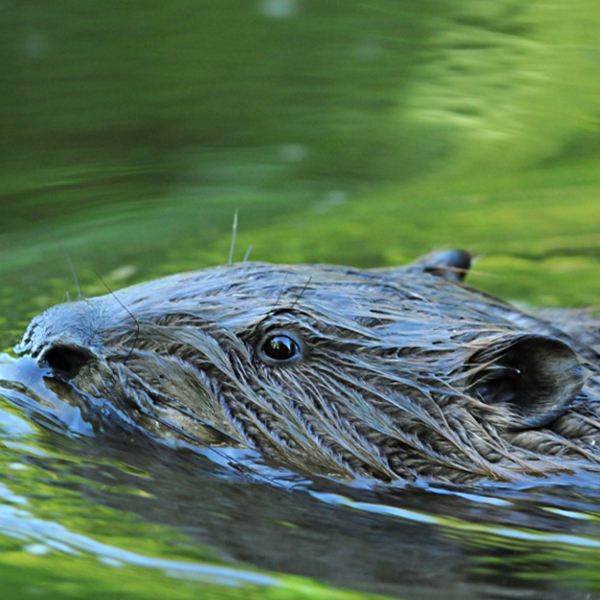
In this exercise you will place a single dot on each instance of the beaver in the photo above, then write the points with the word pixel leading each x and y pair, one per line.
pixel 401 373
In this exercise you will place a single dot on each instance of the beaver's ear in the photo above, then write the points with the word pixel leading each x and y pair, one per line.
pixel 451 265
pixel 535 377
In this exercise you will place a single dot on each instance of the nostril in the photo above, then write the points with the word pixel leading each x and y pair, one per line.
pixel 67 361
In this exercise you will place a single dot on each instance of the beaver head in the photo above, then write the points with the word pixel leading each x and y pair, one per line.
pixel 390 373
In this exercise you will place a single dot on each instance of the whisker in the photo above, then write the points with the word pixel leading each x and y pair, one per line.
pixel 65 252
pixel 302 291
pixel 137 324
pixel 278 296
pixel 73 272
pixel 233 236
pixel 247 255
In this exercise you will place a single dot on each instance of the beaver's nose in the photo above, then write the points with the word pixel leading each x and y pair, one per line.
pixel 64 338
pixel 66 359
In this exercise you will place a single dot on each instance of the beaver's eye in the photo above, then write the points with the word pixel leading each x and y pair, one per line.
pixel 280 348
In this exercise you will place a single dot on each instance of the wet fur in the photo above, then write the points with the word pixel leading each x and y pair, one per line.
pixel 386 386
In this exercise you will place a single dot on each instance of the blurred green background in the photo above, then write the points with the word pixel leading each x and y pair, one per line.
pixel 344 131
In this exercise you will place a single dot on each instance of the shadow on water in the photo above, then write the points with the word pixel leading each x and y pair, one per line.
pixel 223 518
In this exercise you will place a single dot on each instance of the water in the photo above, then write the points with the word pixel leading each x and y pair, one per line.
pixel 342 132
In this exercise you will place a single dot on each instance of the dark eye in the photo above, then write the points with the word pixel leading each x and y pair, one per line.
pixel 280 348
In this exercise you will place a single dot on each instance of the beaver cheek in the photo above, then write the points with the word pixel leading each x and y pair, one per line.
pixel 534 377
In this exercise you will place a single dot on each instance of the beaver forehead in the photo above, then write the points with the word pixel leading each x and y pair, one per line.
pixel 241 295
pixel 248 279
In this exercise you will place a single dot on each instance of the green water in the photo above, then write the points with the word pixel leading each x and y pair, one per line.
pixel 340 132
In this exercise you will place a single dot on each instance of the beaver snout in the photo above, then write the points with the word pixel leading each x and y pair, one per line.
pixel 64 339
